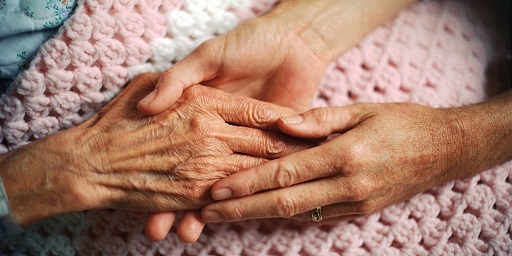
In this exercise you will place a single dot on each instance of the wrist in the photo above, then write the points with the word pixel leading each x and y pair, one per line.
pixel 8 223
pixel 485 134
pixel 37 181
pixel 330 27
pixel 493 121
pixel 299 18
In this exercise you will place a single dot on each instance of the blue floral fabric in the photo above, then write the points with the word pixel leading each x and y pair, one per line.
pixel 24 26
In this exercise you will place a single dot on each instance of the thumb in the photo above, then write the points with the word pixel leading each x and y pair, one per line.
pixel 200 65
pixel 322 122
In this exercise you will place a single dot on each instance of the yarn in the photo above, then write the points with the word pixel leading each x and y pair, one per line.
pixel 434 53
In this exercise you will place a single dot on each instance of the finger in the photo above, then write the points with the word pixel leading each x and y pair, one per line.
pixel 284 202
pixel 202 64
pixel 260 143
pixel 158 225
pixel 321 122
pixel 236 162
pixel 156 163
pixel 250 112
pixel 212 168
pixel 191 226
pixel 283 172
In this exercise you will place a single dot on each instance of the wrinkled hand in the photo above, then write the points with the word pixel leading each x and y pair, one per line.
pixel 261 59
pixel 169 161
pixel 385 154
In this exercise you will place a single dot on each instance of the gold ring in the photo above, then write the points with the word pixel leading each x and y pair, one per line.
pixel 316 214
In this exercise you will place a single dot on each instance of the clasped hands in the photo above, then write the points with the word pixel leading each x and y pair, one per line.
pixel 225 157
pixel 385 154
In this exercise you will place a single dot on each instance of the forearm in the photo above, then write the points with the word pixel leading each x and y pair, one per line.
pixel 330 27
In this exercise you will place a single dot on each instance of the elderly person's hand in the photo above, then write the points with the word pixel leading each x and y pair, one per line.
pixel 385 154
pixel 122 159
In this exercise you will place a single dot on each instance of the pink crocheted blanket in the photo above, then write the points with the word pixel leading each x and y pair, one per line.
pixel 433 53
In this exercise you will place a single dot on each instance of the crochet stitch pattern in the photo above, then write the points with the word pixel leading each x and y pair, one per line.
pixel 434 53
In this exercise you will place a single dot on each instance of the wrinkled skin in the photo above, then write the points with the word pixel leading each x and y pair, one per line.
pixel 122 159
pixel 170 160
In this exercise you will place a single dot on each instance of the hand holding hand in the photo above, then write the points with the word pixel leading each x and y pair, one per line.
pixel 385 154
pixel 279 57
pixel 260 59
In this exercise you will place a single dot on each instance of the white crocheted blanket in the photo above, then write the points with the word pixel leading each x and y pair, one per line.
pixel 434 53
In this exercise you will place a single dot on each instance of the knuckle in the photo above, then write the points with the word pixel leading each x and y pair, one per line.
pixel 261 114
pixel 196 127
pixel 322 115
pixel 274 146
pixel 248 187
pixel 238 212
pixel 354 158
pixel 286 206
pixel 359 191
pixel 286 174
pixel 193 92
pixel 197 95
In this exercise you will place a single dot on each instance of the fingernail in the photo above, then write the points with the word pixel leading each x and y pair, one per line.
pixel 292 119
pixel 212 216
pixel 222 193
pixel 148 98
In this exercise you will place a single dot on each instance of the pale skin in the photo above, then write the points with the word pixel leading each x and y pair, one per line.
pixel 279 57
pixel 122 159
